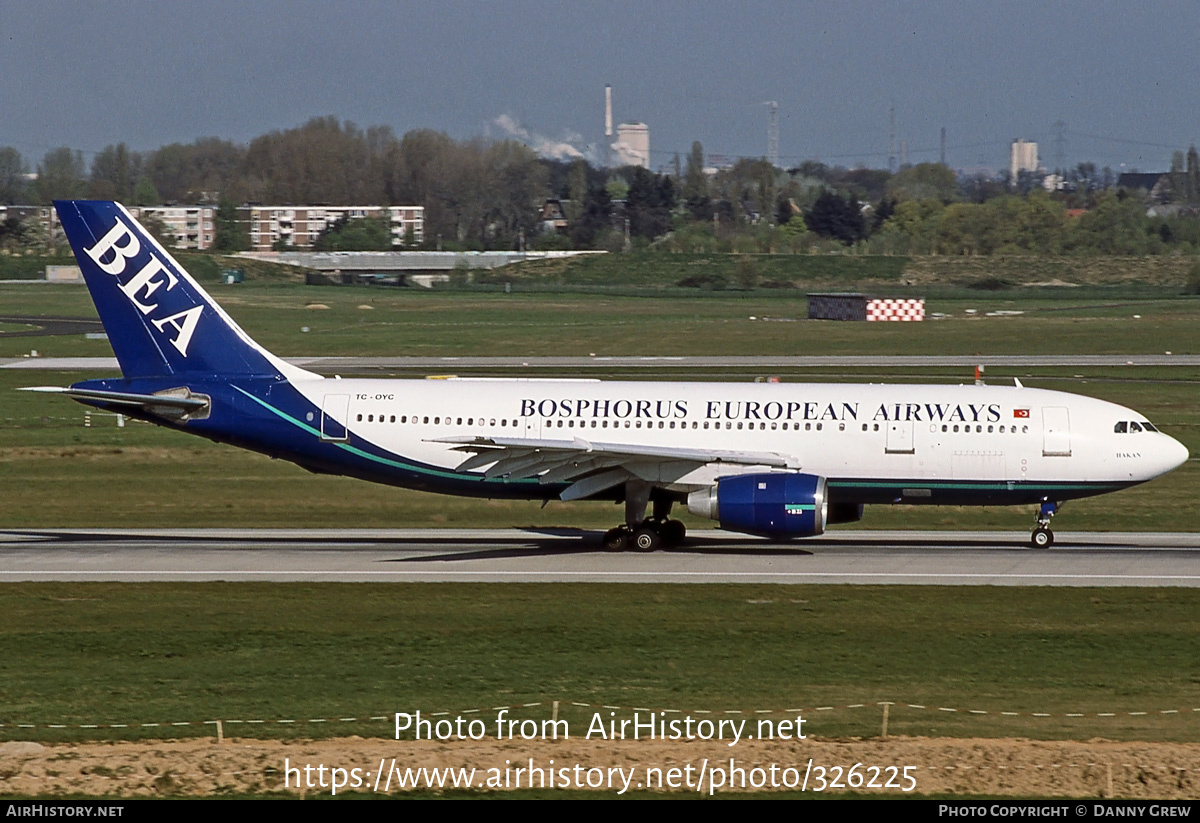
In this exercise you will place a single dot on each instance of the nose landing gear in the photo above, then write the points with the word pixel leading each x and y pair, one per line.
pixel 1042 537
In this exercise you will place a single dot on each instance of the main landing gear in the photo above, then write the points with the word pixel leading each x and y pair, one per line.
pixel 1042 537
pixel 641 533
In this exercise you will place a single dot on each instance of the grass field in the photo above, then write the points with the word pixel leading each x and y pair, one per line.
pixel 106 653
pixel 389 322
pixel 101 653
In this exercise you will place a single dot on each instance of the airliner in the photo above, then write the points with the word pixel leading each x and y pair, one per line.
pixel 777 460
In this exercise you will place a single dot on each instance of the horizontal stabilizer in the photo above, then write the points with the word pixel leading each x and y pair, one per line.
pixel 172 403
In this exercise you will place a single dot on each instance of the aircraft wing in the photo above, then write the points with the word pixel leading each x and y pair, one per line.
pixel 592 467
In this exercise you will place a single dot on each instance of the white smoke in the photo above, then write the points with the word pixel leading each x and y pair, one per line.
pixel 626 155
pixel 544 146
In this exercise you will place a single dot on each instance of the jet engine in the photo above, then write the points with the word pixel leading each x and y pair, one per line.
pixel 775 504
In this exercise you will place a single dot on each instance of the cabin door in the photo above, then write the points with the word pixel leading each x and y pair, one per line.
pixel 1056 432
pixel 900 437
pixel 335 414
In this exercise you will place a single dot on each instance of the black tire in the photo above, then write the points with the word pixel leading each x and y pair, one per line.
pixel 673 532
pixel 616 540
pixel 647 540
pixel 1042 538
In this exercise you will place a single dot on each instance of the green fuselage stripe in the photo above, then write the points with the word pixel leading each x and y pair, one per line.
pixel 375 458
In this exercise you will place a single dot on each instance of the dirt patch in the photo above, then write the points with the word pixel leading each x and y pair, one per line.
pixel 1009 767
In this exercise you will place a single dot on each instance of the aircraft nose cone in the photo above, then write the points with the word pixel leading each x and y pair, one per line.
pixel 1176 454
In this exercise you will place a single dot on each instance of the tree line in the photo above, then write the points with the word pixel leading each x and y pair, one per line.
pixel 483 193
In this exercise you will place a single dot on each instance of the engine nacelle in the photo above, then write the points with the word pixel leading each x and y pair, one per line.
pixel 775 504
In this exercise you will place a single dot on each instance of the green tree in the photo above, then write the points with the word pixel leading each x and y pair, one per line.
pixel 114 172
pixel 837 217
pixel 1193 175
pixel 577 188
pixel 1116 225
pixel 695 185
pixel 231 234
pixel 355 234
pixel 12 176
pixel 60 176
pixel 648 204
pixel 144 194
pixel 594 220
pixel 924 181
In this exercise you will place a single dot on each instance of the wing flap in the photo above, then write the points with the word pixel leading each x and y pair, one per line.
pixel 592 467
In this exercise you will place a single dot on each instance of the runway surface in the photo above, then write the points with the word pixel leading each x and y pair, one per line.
pixel 443 365
pixel 512 555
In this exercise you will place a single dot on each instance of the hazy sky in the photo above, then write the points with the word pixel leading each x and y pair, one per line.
pixel 1123 76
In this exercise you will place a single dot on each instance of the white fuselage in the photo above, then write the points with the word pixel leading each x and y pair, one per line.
pixel 838 431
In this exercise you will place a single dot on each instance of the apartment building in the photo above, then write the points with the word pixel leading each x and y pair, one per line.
pixel 299 226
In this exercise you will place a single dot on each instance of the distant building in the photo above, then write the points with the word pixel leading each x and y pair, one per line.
pixel 191 226
pixel 21 213
pixel 1156 185
pixel 1023 157
pixel 552 218
pixel 299 226
pixel 633 145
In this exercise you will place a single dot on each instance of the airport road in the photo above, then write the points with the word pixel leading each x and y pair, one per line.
pixel 447 365
pixel 565 555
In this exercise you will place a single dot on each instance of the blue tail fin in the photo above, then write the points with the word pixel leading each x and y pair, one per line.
pixel 159 320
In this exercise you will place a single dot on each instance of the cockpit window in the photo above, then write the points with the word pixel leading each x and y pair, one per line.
pixel 1121 428
pixel 1148 427
pixel 1134 427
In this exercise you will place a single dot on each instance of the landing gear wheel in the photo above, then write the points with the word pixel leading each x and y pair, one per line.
pixel 647 540
pixel 616 540
pixel 1042 538
pixel 673 532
